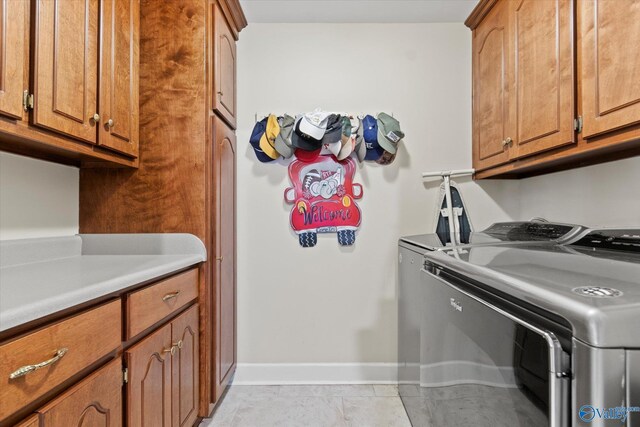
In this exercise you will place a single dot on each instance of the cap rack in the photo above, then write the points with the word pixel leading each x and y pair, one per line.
pixel 261 115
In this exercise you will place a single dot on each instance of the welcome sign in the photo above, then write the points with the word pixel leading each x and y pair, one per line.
pixel 323 197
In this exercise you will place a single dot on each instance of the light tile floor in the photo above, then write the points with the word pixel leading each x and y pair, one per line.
pixel 310 406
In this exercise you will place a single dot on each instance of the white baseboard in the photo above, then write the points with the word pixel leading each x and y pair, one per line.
pixel 315 373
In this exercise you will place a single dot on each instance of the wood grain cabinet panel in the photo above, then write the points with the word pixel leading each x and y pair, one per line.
pixel 224 268
pixel 14 56
pixel 76 334
pixel 185 384
pixel 95 402
pixel 224 69
pixel 610 36
pixel 149 384
pixel 119 70
pixel 65 61
pixel 490 96
pixel 541 76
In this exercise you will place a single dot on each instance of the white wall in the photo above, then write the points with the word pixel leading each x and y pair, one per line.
pixel 330 304
pixel 602 195
pixel 37 198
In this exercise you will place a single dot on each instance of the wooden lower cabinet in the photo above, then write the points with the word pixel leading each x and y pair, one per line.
pixel 184 369
pixel 162 387
pixel 149 382
pixel 95 401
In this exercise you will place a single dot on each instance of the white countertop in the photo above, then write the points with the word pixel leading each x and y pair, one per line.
pixel 39 277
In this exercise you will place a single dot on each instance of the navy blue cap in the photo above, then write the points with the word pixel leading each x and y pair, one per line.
pixel 370 130
pixel 258 131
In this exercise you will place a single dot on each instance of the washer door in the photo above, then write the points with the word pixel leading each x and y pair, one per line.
pixel 482 366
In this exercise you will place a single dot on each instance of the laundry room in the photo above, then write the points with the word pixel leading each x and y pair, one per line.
pixel 320 212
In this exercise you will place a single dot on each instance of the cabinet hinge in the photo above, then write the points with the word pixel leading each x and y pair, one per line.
pixel 577 124
pixel 27 100
pixel 125 375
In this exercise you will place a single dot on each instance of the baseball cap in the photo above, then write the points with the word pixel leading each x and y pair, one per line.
pixel 386 159
pixel 349 133
pixel 283 140
pixel 307 156
pixel 332 137
pixel 374 151
pixel 259 130
pixel 389 133
pixel 268 138
pixel 302 140
pixel 360 148
pixel 314 124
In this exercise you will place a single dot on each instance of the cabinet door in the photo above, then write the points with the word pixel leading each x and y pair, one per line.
pixel 149 384
pixel 184 330
pixel 490 96
pixel 541 75
pixel 95 401
pixel 14 56
pixel 224 269
pixel 610 36
pixel 119 63
pixel 224 68
pixel 65 62
pixel 33 421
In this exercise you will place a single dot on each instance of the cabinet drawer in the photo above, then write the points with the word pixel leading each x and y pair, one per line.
pixel 86 337
pixel 153 303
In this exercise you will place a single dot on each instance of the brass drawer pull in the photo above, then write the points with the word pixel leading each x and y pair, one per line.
pixel 171 350
pixel 179 344
pixel 20 372
pixel 171 295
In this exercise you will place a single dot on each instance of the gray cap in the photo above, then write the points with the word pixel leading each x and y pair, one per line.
pixel 283 140
pixel 361 147
pixel 389 133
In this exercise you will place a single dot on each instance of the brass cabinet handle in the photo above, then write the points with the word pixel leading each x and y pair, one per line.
pixel 171 295
pixel 178 344
pixel 507 142
pixel 96 117
pixel 20 372
pixel 171 350
pixel 220 258
pixel 110 123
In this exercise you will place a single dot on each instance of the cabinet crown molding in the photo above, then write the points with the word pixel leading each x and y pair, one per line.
pixel 479 12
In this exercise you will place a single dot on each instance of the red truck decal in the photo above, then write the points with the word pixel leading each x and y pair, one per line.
pixel 323 197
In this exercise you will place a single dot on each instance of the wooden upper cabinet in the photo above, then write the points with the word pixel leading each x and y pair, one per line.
pixel 224 268
pixel 119 67
pixel 610 85
pixel 184 331
pixel 490 96
pixel 95 401
pixel 149 384
pixel 65 67
pixel 541 78
pixel 224 67
pixel 14 56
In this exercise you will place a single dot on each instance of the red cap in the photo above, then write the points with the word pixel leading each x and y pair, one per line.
pixel 307 156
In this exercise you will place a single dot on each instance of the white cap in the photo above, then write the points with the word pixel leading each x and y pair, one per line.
pixel 314 124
